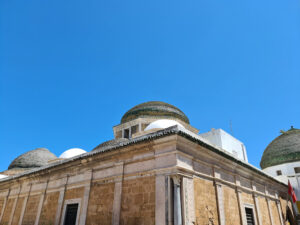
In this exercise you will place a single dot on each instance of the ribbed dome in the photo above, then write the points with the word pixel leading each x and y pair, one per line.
pixel 156 109
pixel 33 159
pixel 283 149
pixel 113 142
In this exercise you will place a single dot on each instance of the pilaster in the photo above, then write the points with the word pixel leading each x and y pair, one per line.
pixel 61 201
pixel 220 196
pixel 24 205
pixel 160 200
pixel 42 198
pixel 256 204
pixel 119 170
pixel 4 205
pixel 14 207
pixel 86 197
pixel 269 207
pixel 279 209
pixel 188 201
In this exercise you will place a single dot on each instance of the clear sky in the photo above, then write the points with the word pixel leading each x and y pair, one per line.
pixel 69 70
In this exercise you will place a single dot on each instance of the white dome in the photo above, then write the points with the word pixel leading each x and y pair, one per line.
pixel 72 153
pixel 2 176
pixel 162 124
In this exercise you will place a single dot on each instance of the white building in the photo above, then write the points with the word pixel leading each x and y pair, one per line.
pixel 227 142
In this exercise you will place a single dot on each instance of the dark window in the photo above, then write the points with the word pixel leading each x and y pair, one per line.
pixel 134 129
pixel 71 214
pixel 278 172
pixel 249 216
pixel 126 133
pixel 297 169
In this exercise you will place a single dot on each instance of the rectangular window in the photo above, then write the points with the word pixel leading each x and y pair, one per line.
pixel 278 172
pixel 297 169
pixel 71 214
pixel 249 216
pixel 126 133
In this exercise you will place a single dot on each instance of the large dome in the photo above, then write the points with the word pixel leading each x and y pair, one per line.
pixel 156 109
pixel 283 149
pixel 33 159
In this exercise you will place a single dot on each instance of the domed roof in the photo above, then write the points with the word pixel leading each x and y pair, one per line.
pixel 283 149
pixel 154 109
pixel 32 159
pixel 2 176
pixel 71 153
pixel 113 142
pixel 162 124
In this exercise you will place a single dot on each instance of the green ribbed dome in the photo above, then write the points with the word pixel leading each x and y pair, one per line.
pixel 160 110
pixel 283 149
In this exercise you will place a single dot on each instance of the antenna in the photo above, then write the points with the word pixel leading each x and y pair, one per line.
pixel 230 124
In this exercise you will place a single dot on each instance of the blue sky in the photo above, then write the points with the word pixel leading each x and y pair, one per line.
pixel 69 70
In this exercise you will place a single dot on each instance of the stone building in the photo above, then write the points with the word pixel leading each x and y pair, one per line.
pixel 281 159
pixel 158 170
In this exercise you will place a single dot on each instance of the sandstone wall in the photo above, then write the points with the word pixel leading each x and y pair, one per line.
pixel 138 202
pixel 7 211
pixel 264 212
pixel 18 211
pixel 48 212
pixel 100 204
pixel 231 206
pixel 74 193
pixel 275 214
pixel 205 202
pixel 31 210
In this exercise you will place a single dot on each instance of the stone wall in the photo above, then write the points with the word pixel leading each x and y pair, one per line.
pixel 7 211
pixel 100 204
pixel 274 212
pixel 48 212
pixel 18 211
pixel 264 212
pixel 205 202
pixel 31 210
pixel 138 201
pixel 74 193
pixel 231 206
pixel 247 198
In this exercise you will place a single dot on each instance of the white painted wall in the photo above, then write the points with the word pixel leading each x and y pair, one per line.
pixel 288 173
pixel 227 142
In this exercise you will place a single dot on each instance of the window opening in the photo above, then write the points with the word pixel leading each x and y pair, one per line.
pixel 249 216
pixel 278 172
pixel 297 169
pixel 71 214
pixel 126 133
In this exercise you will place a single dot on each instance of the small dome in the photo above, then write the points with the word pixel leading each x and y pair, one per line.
pixel 2 176
pixel 156 109
pixel 32 159
pixel 162 124
pixel 113 142
pixel 283 149
pixel 71 153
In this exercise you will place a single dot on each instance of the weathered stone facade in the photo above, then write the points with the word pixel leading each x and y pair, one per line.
pixel 166 178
